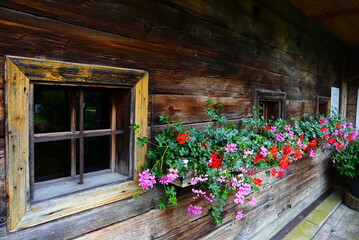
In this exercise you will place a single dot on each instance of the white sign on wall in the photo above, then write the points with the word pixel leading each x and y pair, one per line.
pixel 334 100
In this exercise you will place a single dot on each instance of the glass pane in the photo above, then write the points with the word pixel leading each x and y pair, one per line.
pixel 271 109
pixel 97 109
pixel 51 109
pixel 96 154
pixel 52 160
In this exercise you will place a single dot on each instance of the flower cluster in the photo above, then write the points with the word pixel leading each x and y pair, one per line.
pixel 147 180
pixel 182 138
pixel 223 158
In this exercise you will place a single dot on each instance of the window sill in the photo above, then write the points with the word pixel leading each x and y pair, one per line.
pixel 60 187
pixel 55 208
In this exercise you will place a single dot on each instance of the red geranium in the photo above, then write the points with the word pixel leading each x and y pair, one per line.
pixel 257 181
pixel 182 138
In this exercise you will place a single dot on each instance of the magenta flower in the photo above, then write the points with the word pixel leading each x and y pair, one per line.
pixel 147 180
pixel 291 134
pixel 243 170
pixel 200 178
pixel 239 214
pixel 170 177
pixel 312 153
pixel 280 137
pixel 323 121
pixel 264 151
pixel 287 127
pixel 355 134
pixel 231 147
pixel 198 193
pixel 253 201
pixel 194 210
pixel 273 129
pixel 210 198
pixel 242 191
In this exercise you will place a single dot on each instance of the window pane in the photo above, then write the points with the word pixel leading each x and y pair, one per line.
pixel 97 109
pixel 51 109
pixel 271 109
pixel 52 160
pixel 97 153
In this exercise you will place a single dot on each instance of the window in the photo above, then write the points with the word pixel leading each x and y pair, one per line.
pixel 323 104
pixel 69 137
pixel 272 104
pixel 80 136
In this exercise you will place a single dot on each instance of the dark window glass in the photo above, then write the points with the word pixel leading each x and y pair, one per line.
pixel 271 109
pixel 53 160
pixel 97 153
pixel 97 109
pixel 51 109
pixel 323 109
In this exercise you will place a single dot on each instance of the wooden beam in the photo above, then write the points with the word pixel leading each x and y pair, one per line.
pixel 321 17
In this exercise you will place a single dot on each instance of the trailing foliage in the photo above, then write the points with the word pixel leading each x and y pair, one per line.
pixel 223 158
pixel 346 161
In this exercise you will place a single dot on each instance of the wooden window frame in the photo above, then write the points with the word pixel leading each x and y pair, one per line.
pixel 264 95
pixel 19 72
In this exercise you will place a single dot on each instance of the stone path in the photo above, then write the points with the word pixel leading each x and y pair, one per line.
pixel 343 224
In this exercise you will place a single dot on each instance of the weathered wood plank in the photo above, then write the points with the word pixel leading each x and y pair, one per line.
pixel 54 71
pixel 181 108
pixel 140 20
pixel 233 49
pixel 90 220
pixel 17 99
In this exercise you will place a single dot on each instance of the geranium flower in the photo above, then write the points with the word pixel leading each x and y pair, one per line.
pixel 239 214
pixel 194 210
pixel 247 153
pixel 287 150
pixel 215 161
pixel 312 153
pixel 257 181
pixel 182 138
pixel 280 137
pixel 253 201
pixel 324 129
pixel 298 154
pixel 170 177
pixel 323 121
pixel 231 147
pixel 147 180
pixel 339 146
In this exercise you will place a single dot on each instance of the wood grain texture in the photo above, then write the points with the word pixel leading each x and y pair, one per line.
pixel 193 51
pixel 17 138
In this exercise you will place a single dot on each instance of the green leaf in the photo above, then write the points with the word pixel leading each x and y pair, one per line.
pixel 164 118
pixel 209 103
pixel 142 141
pixel 162 204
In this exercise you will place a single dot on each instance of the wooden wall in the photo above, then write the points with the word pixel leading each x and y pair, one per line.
pixel 352 79
pixel 193 50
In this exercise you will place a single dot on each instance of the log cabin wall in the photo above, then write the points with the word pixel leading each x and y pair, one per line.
pixel 352 79
pixel 193 51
